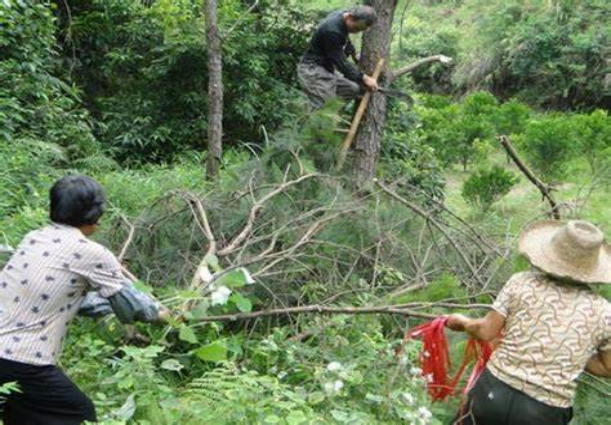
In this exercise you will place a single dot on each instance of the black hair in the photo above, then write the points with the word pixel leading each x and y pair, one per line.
pixel 365 14
pixel 77 201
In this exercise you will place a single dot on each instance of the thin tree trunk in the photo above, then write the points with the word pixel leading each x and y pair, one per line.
pixel 376 45
pixel 215 91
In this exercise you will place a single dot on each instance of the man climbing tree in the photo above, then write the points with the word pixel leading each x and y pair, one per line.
pixel 328 52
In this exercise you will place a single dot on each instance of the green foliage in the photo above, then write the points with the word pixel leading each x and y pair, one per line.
pixel 229 394
pixel 35 103
pixel 549 142
pixel 594 133
pixel 420 39
pixel 547 53
pixel 457 130
pixel 406 158
pixel 143 69
pixel 487 186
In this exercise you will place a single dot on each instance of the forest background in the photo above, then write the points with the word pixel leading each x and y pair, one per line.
pixel 117 89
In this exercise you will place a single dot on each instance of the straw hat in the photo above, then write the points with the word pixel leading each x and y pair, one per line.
pixel 574 250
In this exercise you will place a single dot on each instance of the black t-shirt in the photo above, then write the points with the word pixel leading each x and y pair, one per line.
pixel 327 47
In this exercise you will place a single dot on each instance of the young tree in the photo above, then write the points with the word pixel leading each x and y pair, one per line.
pixel 215 90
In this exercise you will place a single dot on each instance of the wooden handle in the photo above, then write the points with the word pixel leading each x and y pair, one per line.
pixel 358 117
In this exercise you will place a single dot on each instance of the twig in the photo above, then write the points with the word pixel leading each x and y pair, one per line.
pixel 462 221
pixel 435 223
pixel 312 230
pixel 254 212
pixel 543 188
pixel 239 21
pixel 128 241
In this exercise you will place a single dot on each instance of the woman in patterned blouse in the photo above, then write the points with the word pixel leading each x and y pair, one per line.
pixel 41 290
pixel 554 326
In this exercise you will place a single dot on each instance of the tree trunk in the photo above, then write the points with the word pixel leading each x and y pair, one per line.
pixel 376 45
pixel 215 91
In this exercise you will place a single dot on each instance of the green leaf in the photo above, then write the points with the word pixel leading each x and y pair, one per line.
pixel 215 352
pixel 243 303
pixel 272 419
pixel 296 417
pixel 126 412
pixel 316 397
pixel 213 261
pixel 187 334
pixel 233 279
pixel 172 364
pixel 142 287
pixel 200 311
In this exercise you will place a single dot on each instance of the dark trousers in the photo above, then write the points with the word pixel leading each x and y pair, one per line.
pixel 493 402
pixel 46 397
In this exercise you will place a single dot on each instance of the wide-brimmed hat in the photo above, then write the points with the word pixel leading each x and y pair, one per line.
pixel 574 250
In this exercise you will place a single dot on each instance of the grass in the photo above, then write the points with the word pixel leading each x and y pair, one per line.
pixel 524 203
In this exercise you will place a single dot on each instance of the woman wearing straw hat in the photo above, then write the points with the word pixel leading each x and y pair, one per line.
pixel 554 326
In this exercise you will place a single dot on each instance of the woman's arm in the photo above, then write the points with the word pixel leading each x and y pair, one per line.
pixel 600 364
pixel 129 305
pixel 484 329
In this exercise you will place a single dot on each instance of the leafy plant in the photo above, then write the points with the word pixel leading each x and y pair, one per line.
pixel 549 142
pixel 487 186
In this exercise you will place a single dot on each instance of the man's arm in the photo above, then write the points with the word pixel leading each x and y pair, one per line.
pixel 600 364
pixel 485 329
pixel 335 52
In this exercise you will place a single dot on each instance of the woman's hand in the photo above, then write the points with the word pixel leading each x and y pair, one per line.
pixel 457 322
pixel 485 329
pixel 164 314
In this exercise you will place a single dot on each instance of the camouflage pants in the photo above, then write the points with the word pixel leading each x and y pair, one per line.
pixel 321 85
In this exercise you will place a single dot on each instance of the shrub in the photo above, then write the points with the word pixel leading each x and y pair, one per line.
pixel 487 186
pixel 594 132
pixel 548 143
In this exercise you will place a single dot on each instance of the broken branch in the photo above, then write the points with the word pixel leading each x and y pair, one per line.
pixel 411 68
pixel 317 309
pixel 545 190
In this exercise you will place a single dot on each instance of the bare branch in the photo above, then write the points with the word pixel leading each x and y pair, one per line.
pixel 411 68
pixel 317 309
pixel 254 212
pixel 128 241
pixel 459 250
pixel 545 190
pixel 306 238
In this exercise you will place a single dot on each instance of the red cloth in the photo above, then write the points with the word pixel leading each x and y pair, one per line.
pixel 435 359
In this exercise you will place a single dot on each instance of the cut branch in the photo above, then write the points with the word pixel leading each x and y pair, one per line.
pixel 128 241
pixel 411 68
pixel 545 190
pixel 317 309
pixel 254 212
pixel 436 224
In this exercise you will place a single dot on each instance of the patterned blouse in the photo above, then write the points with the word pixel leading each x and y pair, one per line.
pixel 552 329
pixel 42 287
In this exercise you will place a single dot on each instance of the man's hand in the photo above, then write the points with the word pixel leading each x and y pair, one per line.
pixel 370 83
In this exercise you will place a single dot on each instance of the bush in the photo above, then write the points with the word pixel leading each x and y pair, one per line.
pixel 549 142
pixel 487 186
pixel 594 132
pixel 143 70
pixel 35 103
